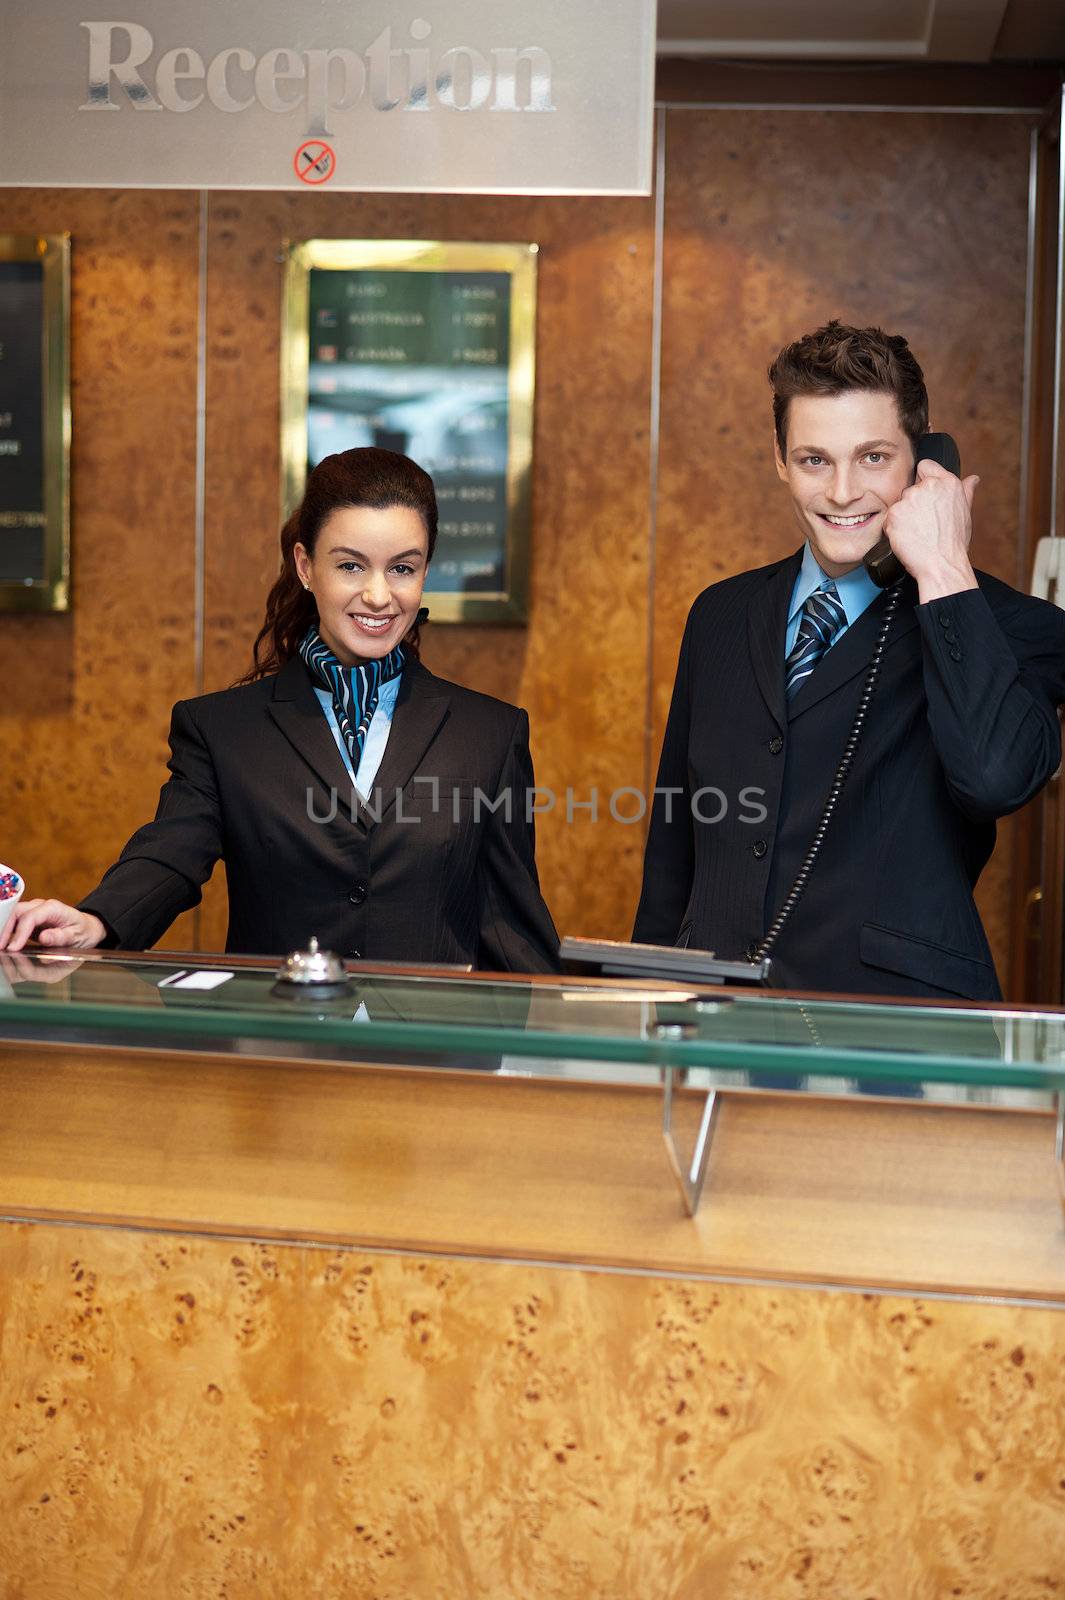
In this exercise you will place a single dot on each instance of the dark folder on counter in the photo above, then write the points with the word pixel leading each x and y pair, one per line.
pixel 610 958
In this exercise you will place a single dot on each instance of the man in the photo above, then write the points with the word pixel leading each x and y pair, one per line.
pixel 962 727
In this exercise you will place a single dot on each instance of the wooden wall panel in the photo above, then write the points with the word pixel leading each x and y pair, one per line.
pixel 87 697
pixel 211 1417
pixel 580 665
pixel 776 221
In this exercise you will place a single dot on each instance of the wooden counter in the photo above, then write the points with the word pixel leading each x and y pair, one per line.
pixel 288 1329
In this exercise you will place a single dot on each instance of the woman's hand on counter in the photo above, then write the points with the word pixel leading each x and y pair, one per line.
pixel 54 925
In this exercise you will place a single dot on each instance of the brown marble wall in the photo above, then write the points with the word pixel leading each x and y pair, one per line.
pixel 774 220
pixel 87 693
pixel 208 1417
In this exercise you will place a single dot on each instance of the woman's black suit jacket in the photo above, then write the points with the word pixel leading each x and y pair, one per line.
pixel 438 867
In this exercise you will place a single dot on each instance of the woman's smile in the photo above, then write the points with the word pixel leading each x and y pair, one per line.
pixel 372 624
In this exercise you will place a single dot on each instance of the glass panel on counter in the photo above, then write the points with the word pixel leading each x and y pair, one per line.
pixel 544 1027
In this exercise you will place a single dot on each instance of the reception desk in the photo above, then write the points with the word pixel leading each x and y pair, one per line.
pixel 397 1293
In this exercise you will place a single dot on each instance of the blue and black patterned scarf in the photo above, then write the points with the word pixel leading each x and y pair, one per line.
pixel 355 690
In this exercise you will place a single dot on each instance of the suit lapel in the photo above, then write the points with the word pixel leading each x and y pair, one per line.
pixel 854 651
pixel 297 712
pixel 421 707
pixel 767 621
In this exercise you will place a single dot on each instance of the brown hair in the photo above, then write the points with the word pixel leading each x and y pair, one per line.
pixel 836 358
pixel 379 479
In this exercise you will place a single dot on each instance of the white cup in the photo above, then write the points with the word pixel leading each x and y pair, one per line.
pixel 7 907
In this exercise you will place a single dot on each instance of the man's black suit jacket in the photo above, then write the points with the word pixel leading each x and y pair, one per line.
pixel 963 728
pixel 429 872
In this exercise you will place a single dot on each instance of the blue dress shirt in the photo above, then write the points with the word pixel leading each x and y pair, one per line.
pixel 856 591
pixel 376 734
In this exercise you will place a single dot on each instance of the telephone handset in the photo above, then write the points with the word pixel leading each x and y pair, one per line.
pixel 881 562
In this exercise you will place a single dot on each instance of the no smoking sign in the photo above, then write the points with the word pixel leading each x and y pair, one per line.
pixel 314 162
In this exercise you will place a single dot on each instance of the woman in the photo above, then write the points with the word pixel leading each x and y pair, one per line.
pixel 351 794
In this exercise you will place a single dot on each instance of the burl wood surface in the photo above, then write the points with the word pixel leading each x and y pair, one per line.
pixel 209 1418
pixel 87 693
pixel 773 221
pixel 580 666
pixel 776 221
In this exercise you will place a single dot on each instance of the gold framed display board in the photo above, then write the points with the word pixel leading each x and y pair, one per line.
pixel 34 422
pixel 428 349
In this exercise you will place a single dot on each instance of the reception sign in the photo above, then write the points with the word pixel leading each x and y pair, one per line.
pixel 34 422
pixel 428 349
pixel 478 96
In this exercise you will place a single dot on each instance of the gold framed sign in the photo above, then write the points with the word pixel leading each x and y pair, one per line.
pixel 428 349
pixel 34 422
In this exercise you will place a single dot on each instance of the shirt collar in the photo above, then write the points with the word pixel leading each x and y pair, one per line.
pixel 856 588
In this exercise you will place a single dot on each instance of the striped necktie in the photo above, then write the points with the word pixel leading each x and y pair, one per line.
pixel 822 619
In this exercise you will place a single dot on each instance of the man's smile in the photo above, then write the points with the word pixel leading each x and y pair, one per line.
pixel 862 519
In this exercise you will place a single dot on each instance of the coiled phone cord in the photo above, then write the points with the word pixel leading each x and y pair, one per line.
pixel 846 760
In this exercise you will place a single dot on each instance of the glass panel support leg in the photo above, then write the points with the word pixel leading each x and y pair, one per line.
pixel 691 1175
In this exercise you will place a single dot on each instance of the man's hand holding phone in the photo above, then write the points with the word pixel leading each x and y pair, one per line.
pixel 930 527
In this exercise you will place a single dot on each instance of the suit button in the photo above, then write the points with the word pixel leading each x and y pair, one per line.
pixel 776 745
pixel 759 848
pixel 945 619
pixel 950 638
pixel 955 655
pixel 358 894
